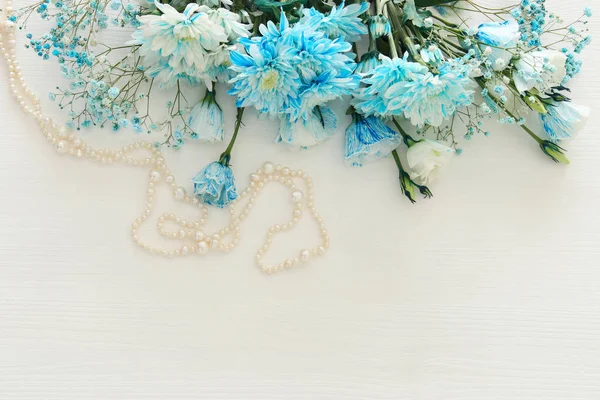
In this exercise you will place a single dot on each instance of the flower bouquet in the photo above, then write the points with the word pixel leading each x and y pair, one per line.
pixel 418 76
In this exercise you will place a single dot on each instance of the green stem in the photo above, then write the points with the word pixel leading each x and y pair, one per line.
pixel 226 155
pixel 444 21
pixel 390 37
pixel 397 160
pixel 408 140
pixel 535 137
pixel 403 33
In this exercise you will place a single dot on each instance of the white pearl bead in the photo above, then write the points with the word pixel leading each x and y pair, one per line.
pixel 269 168
pixel 179 193
pixel 154 175
pixel 61 147
pixel 202 247
pixel 304 255
pixel 62 132
pixel 199 236
pixel 297 196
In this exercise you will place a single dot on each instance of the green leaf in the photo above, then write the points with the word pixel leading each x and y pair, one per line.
pixel 535 104
pixel 429 3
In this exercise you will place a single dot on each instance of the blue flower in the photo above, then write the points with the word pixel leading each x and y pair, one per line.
pixel 587 11
pixel 369 139
pixel 290 70
pixel 501 37
pixel 317 127
pixel 411 13
pixel 432 54
pixel 431 99
pixel 564 120
pixel 322 88
pixel 399 87
pixel 340 22
pixel 215 184
pixel 206 119
pixel 113 92
pixel 368 62
pixel 264 78
pixel 379 26
pixel 372 99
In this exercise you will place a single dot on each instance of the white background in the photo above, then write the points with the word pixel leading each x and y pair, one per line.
pixel 490 290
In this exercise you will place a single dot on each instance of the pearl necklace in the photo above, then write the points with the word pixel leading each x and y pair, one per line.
pixel 193 239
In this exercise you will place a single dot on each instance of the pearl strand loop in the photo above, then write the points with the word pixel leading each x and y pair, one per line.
pixel 194 239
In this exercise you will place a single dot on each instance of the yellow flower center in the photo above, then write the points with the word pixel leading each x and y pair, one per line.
pixel 269 80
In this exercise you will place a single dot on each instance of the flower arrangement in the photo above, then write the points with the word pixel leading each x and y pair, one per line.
pixel 418 75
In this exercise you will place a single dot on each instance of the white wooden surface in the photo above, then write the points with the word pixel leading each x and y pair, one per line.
pixel 488 291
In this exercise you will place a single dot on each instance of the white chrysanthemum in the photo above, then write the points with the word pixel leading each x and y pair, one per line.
pixel 230 22
pixel 176 45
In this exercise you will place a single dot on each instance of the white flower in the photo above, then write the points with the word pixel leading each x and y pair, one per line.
pixel 319 126
pixel 175 45
pixel 564 120
pixel 217 65
pixel 206 120
pixel 426 158
pixel 229 21
pixel 501 38
pixel 541 69
pixel 147 4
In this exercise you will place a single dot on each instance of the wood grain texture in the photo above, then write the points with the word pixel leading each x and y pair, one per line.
pixel 489 291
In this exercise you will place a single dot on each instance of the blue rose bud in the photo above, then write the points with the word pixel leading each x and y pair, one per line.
pixel 215 184
pixel 369 138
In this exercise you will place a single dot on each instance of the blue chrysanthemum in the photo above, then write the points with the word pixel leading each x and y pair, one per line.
pixel 291 70
pixel 265 78
pixel 399 87
pixel 368 139
pixel 372 99
pixel 431 99
pixel 215 185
